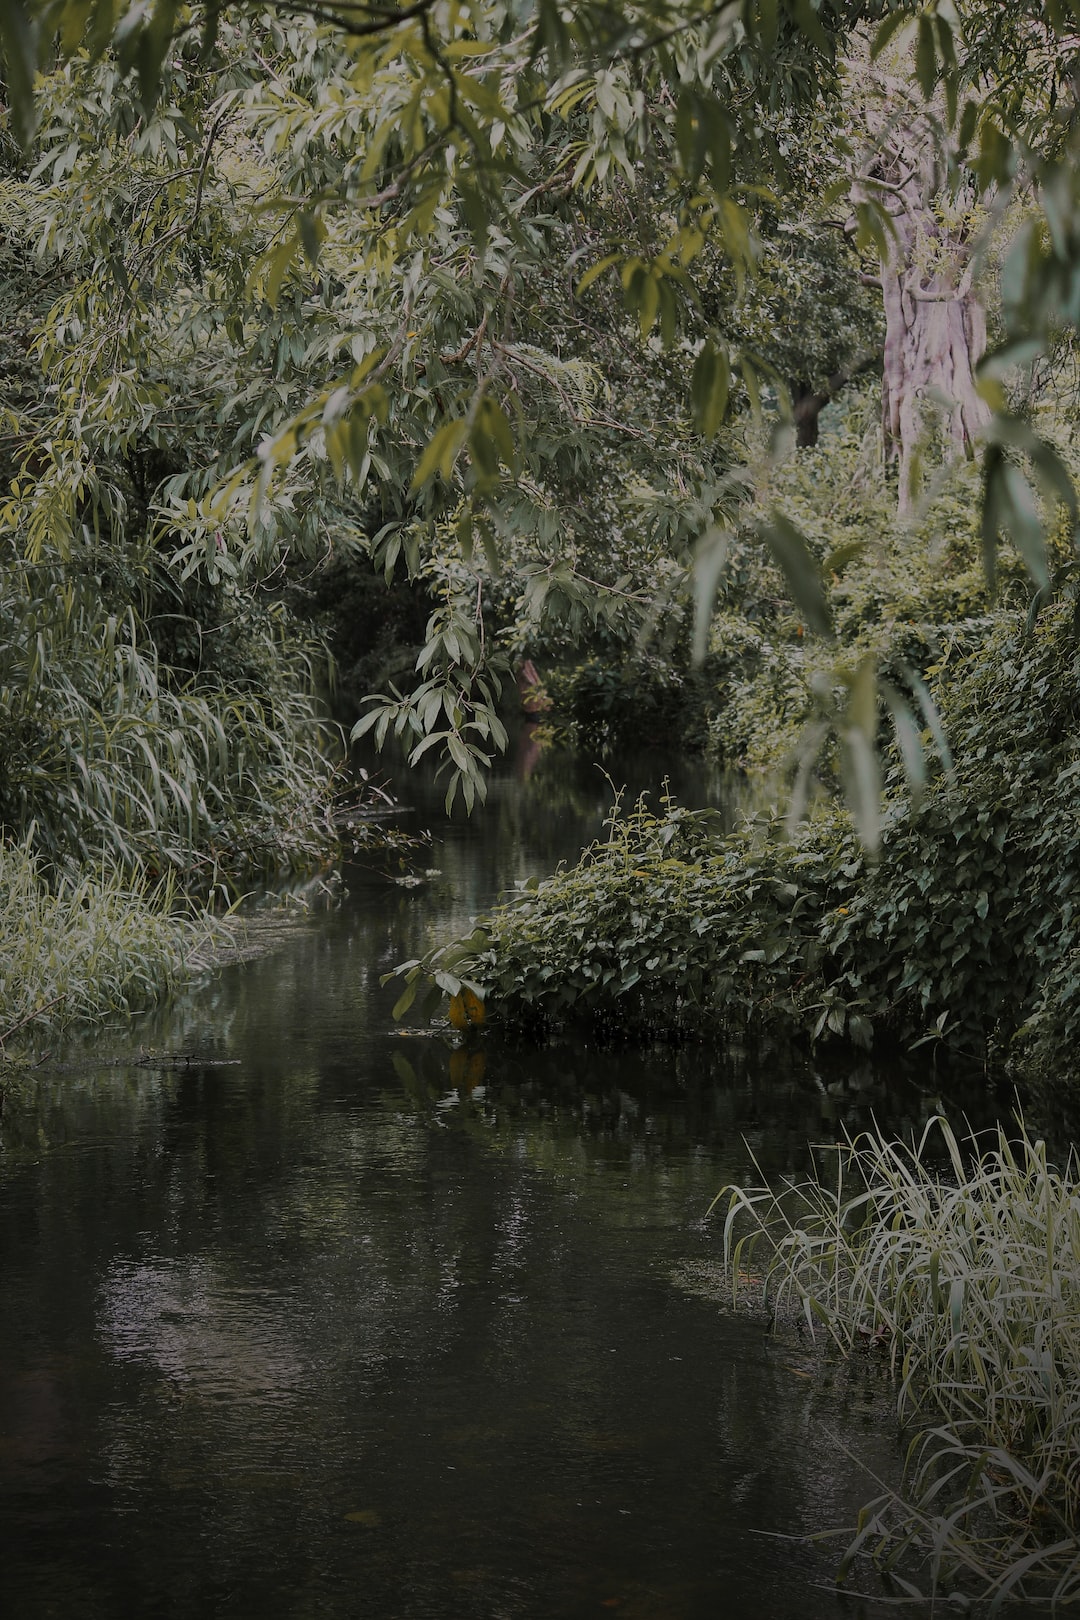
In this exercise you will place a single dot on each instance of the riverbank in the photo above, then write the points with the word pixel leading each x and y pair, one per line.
pixel 964 934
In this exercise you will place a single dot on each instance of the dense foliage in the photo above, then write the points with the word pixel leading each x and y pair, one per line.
pixel 484 288
pixel 956 934
pixel 506 303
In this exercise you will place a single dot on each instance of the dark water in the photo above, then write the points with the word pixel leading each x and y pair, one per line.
pixel 333 1320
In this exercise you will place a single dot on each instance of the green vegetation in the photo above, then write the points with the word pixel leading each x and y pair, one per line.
pixel 489 297
pixel 425 340
pixel 959 1265
pixel 955 935
pixel 82 949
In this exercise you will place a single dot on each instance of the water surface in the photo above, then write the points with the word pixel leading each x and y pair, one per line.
pixel 308 1316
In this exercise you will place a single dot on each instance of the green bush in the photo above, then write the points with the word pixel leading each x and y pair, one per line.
pixel 618 700
pixel 952 935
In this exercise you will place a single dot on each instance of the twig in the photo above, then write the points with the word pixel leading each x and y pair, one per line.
pixel 14 1028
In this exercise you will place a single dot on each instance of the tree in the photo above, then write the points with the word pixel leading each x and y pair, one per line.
pixel 935 327
pixel 430 163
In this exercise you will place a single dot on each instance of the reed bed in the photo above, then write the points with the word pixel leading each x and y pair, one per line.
pixel 83 947
pixel 960 1263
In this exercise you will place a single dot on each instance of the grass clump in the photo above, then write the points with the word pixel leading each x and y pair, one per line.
pixel 80 948
pixel 961 1265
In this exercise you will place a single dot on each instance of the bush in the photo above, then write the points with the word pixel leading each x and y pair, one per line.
pixel 952 935
pixel 613 702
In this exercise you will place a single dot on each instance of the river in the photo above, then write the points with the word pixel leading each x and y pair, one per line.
pixel 306 1315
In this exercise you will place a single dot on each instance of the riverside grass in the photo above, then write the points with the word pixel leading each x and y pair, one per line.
pixel 82 948
pixel 959 1262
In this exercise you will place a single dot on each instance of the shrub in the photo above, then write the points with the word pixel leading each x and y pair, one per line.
pixel 615 701
pixel 950 936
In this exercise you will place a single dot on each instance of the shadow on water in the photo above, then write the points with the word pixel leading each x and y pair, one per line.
pixel 318 1317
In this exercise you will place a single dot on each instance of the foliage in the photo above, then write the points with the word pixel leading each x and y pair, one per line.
pixel 1047 1040
pixel 161 715
pixel 84 948
pixel 615 700
pixel 107 754
pixel 948 937
pixel 911 596
pixel 486 295
pixel 958 1264
pixel 418 170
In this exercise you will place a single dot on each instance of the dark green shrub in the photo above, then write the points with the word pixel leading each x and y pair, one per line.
pixel 614 702
pixel 951 936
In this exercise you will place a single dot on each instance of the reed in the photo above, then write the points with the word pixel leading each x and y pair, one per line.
pixel 960 1263
pixel 83 947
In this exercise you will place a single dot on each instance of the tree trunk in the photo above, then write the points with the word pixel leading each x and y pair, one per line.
pixel 807 402
pixel 935 329
pixel 807 405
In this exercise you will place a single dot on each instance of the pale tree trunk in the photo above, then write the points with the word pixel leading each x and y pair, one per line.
pixel 935 329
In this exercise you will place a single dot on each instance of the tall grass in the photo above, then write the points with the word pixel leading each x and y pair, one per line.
pixel 113 756
pixel 82 948
pixel 961 1265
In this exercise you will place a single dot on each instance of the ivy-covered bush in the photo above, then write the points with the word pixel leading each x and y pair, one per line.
pixel 961 933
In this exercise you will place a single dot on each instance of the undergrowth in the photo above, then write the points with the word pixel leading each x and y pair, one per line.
pixel 82 948
pixel 957 935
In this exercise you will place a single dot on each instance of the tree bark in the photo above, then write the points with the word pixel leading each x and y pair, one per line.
pixel 807 402
pixel 935 329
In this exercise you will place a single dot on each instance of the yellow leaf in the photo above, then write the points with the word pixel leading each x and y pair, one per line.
pixel 466 1010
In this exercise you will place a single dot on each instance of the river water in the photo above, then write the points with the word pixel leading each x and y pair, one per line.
pixel 305 1315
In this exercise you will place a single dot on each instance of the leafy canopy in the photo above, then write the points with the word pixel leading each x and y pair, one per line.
pixel 389 189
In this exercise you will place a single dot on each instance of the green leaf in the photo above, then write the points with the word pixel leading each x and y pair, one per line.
pixel 710 556
pixel 862 704
pixel 648 304
pixel 969 119
pixel 892 24
pixel 838 560
pixel 1009 507
pixel 710 385
pixel 595 271
pixel 860 774
pixel 808 20
pixel 277 263
pixel 767 23
pixel 908 738
pixel 312 233
pixel 406 998
pixel 791 551
pixel 926 57
pixel 441 453
pixel 19 48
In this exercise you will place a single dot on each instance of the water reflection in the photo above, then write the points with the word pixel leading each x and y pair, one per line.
pixel 311 1317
